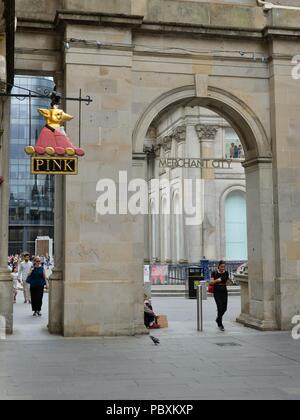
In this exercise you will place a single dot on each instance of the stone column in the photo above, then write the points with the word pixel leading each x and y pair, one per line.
pixel 207 135
pixel 245 307
pixel 156 217
pixel 56 292
pixel 180 136
pixel 193 233
pixel 56 300
pixel 139 171
pixel 104 253
pixel 285 109
pixel 166 253
pixel 261 244
pixel 6 286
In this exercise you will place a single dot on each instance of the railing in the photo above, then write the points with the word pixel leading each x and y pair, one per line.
pixel 231 267
pixel 177 274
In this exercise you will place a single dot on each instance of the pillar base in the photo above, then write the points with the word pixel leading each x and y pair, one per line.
pixel 100 309
pixel 287 301
pixel 257 324
pixel 89 331
pixel 242 319
pixel 55 325
pixel 6 299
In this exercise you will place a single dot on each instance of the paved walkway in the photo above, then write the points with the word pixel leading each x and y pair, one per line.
pixel 238 364
pixel 26 327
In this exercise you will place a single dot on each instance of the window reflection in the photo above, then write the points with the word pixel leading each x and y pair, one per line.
pixel 31 196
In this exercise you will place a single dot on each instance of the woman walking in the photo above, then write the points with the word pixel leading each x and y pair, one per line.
pixel 37 280
pixel 219 279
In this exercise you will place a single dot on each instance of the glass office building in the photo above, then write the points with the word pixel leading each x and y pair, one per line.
pixel 31 207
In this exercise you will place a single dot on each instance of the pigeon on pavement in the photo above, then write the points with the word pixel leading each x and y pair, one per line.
pixel 155 340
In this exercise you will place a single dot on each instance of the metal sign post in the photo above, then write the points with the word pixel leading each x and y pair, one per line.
pixel 199 309
pixel 201 296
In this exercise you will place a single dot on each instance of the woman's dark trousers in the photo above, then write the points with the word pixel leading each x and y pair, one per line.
pixel 148 318
pixel 221 298
pixel 37 293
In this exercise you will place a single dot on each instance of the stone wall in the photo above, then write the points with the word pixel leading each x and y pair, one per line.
pixel 192 12
pixel 43 10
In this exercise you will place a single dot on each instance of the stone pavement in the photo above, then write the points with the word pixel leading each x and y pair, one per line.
pixel 238 364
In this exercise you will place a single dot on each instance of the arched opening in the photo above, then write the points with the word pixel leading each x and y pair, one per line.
pixel 244 140
pixel 240 116
pixel 236 226
pixel 193 135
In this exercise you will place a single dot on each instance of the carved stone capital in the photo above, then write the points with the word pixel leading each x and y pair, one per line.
pixel 206 131
pixel 179 133
pixel 167 143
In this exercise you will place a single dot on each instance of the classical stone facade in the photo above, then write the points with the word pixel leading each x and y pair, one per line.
pixel 193 133
pixel 138 59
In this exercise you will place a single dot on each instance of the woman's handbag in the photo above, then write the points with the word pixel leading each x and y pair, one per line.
pixel 211 288
pixel 28 280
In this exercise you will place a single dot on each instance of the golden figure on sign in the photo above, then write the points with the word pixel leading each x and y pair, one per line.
pixel 53 139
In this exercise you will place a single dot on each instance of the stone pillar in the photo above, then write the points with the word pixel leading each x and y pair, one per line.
pixel 261 243
pixel 207 135
pixel 165 212
pixel 155 239
pixel 193 233
pixel 56 300
pixel 103 265
pixel 6 286
pixel 245 305
pixel 139 171
pixel 285 109
pixel 150 227
pixel 179 242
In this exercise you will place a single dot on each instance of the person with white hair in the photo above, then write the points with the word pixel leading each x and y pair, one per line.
pixel 24 270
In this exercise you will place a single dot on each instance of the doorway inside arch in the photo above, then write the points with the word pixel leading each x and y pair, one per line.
pixel 198 142
pixel 236 226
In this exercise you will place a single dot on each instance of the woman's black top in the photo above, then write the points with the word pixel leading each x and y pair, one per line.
pixel 223 276
pixel 36 278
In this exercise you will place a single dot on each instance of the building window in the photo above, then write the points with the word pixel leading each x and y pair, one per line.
pixel 236 226
pixel 31 197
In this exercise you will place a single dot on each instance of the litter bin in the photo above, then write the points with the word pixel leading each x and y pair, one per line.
pixel 195 276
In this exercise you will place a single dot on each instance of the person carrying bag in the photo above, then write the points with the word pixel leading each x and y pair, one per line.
pixel 218 285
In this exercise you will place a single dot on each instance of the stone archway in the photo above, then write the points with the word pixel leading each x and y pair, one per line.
pixel 241 117
pixel 258 167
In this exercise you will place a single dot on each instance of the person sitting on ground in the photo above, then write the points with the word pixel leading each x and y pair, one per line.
pixel 150 318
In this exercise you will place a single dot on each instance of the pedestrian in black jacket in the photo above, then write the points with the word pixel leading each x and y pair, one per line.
pixel 219 279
